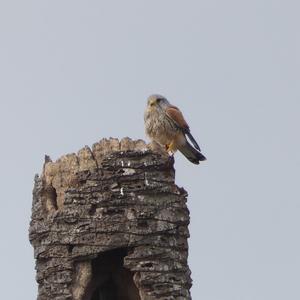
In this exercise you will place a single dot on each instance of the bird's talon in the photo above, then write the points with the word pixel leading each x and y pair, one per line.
pixel 171 154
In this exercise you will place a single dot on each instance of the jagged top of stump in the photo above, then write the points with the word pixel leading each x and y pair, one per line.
pixel 61 174
pixel 109 210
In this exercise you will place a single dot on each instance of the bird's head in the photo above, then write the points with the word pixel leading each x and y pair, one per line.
pixel 157 102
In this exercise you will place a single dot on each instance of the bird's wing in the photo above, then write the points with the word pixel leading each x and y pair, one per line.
pixel 176 115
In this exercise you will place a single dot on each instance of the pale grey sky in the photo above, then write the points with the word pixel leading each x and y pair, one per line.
pixel 73 72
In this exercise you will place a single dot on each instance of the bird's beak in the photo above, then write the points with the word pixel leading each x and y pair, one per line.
pixel 152 102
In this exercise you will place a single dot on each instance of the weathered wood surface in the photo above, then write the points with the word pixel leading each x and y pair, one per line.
pixel 119 195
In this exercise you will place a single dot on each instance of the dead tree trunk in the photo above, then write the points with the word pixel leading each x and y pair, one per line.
pixel 110 223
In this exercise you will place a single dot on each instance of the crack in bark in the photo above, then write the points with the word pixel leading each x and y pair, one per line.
pixel 116 196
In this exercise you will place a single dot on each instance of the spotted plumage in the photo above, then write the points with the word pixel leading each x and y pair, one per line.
pixel 165 124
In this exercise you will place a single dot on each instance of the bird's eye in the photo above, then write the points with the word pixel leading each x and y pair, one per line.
pixel 158 100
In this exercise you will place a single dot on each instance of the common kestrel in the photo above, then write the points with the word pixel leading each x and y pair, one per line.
pixel 165 124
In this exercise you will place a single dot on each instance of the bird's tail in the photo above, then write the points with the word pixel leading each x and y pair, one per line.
pixel 193 141
pixel 191 153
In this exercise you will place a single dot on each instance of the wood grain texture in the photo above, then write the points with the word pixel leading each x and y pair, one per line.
pixel 110 216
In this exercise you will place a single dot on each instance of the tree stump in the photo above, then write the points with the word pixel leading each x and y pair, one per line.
pixel 110 224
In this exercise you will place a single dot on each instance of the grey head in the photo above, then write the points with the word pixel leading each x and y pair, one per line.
pixel 158 101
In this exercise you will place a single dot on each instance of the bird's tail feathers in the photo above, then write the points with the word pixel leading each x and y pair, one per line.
pixel 191 153
pixel 193 141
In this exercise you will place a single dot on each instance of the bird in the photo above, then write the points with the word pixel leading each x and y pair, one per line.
pixel 165 124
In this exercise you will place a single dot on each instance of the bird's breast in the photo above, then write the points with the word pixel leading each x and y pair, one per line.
pixel 159 128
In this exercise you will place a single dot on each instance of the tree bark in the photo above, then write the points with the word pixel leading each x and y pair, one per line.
pixel 110 223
